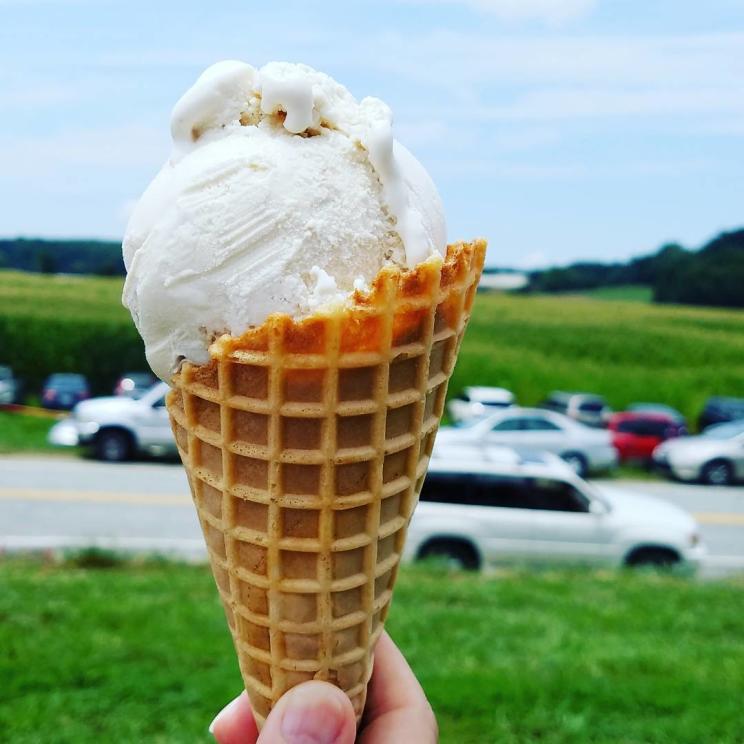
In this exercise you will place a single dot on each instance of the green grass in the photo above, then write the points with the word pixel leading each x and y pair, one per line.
pixel 19 433
pixel 634 471
pixel 625 292
pixel 45 296
pixel 626 351
pixel 531 344
pixel 66 324
pixel 141 653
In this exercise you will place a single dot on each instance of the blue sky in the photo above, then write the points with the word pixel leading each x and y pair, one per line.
pixel 559 129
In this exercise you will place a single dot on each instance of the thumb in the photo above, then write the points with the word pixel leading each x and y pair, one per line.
pixel 311 713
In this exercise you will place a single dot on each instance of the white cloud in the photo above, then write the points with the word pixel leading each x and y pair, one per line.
pixel 577 103
pixel 40 96
pixel 523 138
pixel 546 11
pixel 692 82
pixel 533 260
pixel 420 134
pixel 453 61
pixel 65 155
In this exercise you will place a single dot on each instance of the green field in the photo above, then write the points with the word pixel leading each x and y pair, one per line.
pixel 50 297
pixel 141 653
pixel 627 351
pixel 20 433
pixel 626 292
pixel 531 344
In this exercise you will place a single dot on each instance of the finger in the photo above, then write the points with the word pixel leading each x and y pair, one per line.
pixel 397 708
pixel 235 724
pixel 311 713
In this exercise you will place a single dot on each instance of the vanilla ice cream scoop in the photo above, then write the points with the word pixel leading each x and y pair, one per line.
pixel 282 194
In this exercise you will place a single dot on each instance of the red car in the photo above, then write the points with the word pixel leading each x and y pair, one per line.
pixel 635 435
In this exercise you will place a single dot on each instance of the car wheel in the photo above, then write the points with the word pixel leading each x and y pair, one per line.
pixel 718 473
pixel 577 461
pixel 451 553
pixel 652 558
pixel 114 446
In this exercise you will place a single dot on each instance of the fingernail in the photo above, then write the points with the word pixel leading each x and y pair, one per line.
pixel 226 708
pixel 312 717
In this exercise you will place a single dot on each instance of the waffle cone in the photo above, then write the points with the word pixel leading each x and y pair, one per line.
pixel 306 443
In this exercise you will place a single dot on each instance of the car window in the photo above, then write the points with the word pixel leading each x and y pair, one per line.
pixel 548 494
pixel 509 424
pixel 656 428
pixel 593 406
pixel 543 494
pixel 472 490
pixel 505 492
pixel 724 431
pixel 644 428
pixel 448 488
pixel 536 423
pixel 628 427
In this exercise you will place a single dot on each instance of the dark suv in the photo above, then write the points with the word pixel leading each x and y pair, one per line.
pixel 719 410
pixel 64 390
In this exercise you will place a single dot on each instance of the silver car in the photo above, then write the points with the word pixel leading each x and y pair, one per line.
pixel 715 457
pixel 477 401
pixel 586 408
pixel 118 427
pixel 587 450
pixel 474 514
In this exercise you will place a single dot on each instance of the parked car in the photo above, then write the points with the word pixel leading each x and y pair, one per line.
pixel 636 435
pixel 531 429
pixel 10 386
pixel 475 514
pixel 63 390
pixel 658 408
pixel 719 410
pixel 119 427
pixel 134 384
pixel 715 457
pixel 586 408
pixel 474 402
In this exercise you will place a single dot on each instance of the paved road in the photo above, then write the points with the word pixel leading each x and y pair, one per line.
pixel 58 501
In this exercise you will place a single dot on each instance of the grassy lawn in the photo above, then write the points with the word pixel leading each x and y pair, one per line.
pixel 141 653
pixel 624 292
pixel 626 351
pixel 20 433
pixel 50 296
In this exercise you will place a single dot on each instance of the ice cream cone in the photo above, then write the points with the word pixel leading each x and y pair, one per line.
pixel 306 443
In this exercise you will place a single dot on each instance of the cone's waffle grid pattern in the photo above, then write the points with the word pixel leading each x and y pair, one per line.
pixel 306 444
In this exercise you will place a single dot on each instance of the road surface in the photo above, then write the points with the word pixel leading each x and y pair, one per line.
pixel 56 502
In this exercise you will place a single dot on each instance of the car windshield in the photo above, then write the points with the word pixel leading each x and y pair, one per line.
pixel 66 381
pixel 724 431
pixel 468 423
pixel 141 379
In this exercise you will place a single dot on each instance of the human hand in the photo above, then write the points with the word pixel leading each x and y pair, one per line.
pixel 319 713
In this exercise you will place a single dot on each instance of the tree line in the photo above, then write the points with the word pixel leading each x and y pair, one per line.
pixel 99 257
pixel 712 275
